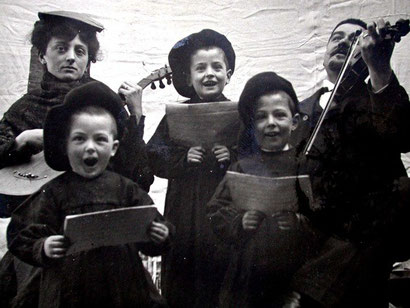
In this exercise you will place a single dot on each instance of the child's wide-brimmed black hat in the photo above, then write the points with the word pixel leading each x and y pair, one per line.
pixel 180 56
pixel 57 120
pixel 261 84
pixel 83 19
pixel 257 86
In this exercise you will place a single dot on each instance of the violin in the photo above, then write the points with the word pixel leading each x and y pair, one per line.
pixel 357 70
pixel 354 70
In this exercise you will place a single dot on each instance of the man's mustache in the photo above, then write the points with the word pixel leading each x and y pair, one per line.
pixel 340 50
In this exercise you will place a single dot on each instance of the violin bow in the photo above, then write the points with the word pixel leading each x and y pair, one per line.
pixel 340 76
pixel 395 32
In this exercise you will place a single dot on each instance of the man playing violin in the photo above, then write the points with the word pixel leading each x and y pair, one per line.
pixel 354 165
pixel 375 51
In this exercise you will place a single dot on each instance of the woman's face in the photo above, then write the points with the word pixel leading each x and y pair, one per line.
pixel 66 60
pixel 274 121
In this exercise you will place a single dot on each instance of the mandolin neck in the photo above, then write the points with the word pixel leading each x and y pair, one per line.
pixel 144 83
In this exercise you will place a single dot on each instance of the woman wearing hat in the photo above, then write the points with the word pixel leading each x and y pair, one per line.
pixel 67 44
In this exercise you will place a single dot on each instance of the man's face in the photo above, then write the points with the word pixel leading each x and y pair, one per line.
pixel 338 46
pixel 208 73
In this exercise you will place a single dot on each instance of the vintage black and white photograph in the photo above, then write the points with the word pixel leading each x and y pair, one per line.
pixel 205 154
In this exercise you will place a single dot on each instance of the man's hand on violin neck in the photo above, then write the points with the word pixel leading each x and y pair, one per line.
pixel 376 52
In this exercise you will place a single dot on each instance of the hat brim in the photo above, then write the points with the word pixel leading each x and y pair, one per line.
pixel 57 120
pixel 78 17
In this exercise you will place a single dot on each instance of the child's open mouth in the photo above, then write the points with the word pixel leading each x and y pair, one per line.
pixel 210 83
pixel 90 161
pixel 271 134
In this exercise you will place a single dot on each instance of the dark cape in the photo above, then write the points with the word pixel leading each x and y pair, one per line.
pixel 193 269
pixel 262 262
pixel 111 276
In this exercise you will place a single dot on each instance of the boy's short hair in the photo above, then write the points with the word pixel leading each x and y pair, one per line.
pixel 259 85
pixel 180 57
pixel 206 48
pixel 93 111
pixel 58 119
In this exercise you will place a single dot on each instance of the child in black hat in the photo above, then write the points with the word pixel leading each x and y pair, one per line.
pixel 80 137
pixel 266 249
pixel 67 45
pixel 202 65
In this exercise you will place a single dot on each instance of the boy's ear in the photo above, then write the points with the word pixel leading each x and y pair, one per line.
pixel 228 76
pixel 41 59
pixel 115 146
pixel 295 121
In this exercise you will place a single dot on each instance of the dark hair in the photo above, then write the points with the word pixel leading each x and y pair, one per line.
pixel 206 47
pixel 353 21
pixel 94 111
pixel 43 31
pixel 259 85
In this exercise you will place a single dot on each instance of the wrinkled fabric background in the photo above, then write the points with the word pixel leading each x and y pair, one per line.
pixel 286 37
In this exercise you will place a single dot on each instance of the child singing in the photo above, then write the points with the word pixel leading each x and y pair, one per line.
pixel 80 137
pixel 202 65
pixel 266 249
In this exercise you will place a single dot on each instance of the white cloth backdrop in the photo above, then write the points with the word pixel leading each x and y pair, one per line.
pixel 288 37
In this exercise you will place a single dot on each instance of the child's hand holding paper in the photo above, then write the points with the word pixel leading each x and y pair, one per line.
pixel 252 219
pixel 55 246
pixel 158 232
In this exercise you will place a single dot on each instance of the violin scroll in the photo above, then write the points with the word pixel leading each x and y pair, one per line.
pixel 395 32
pixel 401 28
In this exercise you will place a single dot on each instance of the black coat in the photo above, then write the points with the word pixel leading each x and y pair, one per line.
pixel 262 262
pixel 354 166
pixel 112 276
pixel 194 267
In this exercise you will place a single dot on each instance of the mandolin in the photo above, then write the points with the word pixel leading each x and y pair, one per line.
pixel 26 178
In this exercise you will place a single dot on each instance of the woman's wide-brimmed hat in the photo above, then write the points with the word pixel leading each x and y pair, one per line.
pixel 180 55
pixel 56 124
pixel 81 18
